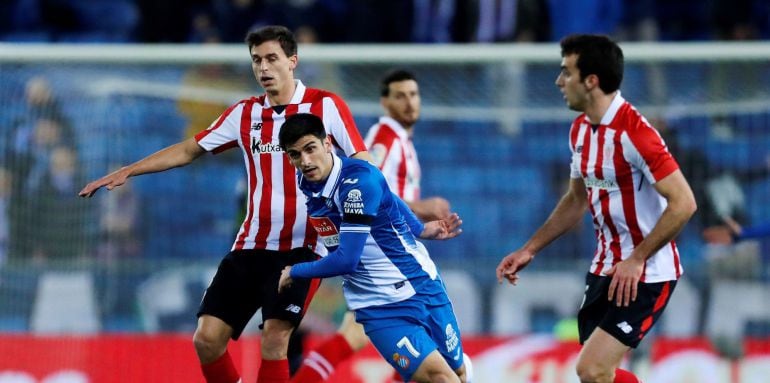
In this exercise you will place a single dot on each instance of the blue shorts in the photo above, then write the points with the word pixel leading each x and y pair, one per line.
pixel 406 332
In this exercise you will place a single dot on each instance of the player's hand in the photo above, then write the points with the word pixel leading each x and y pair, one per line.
pixel 285 281
pixel 431 209
pixel 110 181
pixel 446 228
pixel 510 266
pixel 625 280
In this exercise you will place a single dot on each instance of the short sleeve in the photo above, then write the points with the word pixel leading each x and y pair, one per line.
pixel 224 132
pixel 649 153
pixel 341 126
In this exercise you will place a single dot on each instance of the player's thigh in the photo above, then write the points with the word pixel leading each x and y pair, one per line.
pixel 353 332
pixel 291 304
pixel 593 307
pixel 443 328
pixel 404 344
pixel 602 351
pixel 234 294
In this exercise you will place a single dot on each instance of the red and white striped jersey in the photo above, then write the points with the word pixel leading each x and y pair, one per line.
pixel 392 150
pixel 619 161
pixel 276 219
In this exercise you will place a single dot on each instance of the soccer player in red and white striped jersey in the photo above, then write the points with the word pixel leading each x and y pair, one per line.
pixel 390 145
pixel 623 174
pixel 275 232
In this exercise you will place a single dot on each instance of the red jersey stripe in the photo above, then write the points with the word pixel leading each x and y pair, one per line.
pixel 245 130
pixel 266 192
pixel 289 194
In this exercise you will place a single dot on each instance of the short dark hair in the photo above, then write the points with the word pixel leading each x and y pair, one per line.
pixel 597 54
pixel 392 76
pixel 277 33
pixel 300 125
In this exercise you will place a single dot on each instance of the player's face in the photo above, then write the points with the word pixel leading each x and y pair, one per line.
pixel 568 81
pixel 403 102
pixel 311 156
pixel 272 68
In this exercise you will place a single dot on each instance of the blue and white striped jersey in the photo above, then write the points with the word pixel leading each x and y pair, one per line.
pixel 369 233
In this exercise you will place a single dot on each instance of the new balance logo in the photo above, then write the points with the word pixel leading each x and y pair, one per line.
pixel 293 308
pixel 625 327
pixel 256 126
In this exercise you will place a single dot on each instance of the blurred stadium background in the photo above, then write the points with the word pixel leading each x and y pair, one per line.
pixel 105 290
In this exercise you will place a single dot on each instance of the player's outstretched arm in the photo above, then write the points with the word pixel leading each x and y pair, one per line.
pixel 565 215
pixel 176 155
pixel 430 209
pixel 446 228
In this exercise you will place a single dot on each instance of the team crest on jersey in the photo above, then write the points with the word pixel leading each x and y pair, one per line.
pixel 401 360
pixel 325 228
pixel 353 203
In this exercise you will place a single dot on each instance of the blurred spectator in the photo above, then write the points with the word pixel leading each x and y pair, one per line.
pixel 513 20
pixel 638 22
pixel 234 18
pixel 732 20
pixel 586 16
pixel 166 21
pixel 41 163
pixel 682 20
pixel 59 220
pixel 433 20
pixel 376 21
pixel 118 223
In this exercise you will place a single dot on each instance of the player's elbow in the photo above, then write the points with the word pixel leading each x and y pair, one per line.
pixel 687 206
pixel 349 265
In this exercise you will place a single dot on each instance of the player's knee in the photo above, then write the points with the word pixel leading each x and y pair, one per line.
pixel 275 339
pixel 435 370
pixel 593 373
pixel 354 334
pixel 208 345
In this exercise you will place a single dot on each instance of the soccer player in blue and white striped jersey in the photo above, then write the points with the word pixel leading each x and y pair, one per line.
pixel 390 282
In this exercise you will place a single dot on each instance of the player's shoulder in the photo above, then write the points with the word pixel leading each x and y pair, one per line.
pixel 629 119
pixel 353 168
pixel 383 133
pixel 318 94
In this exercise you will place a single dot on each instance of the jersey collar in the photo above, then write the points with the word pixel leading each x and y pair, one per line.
pixel 334 175
pixel 299 94
pixel 615 105
pixel 396 126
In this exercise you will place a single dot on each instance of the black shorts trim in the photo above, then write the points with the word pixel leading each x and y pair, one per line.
pixel 629 324
pixel 247 280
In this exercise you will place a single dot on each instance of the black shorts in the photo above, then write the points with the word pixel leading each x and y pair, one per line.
pixel 247 280
pixel 626 324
